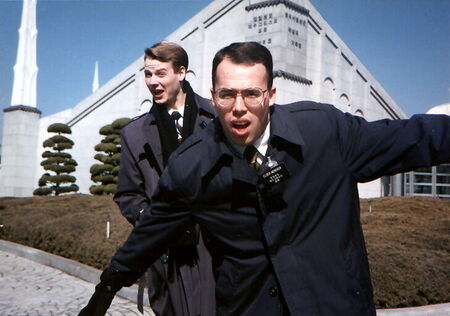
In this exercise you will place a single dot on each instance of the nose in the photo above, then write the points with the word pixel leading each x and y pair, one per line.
pixel 239 105
pixel 153 81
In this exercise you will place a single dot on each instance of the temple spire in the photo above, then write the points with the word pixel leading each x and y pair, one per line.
pixel 25 70
pixel 95 81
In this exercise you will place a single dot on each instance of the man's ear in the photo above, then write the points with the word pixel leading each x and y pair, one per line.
pixel 212 96
pixel 181 73
pixel 272 95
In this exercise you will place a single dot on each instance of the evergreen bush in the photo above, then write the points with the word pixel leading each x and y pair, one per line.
pixel 105 173
pixel 60 163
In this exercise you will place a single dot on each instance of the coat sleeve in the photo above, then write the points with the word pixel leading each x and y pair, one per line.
pixel 386 147
pixel 158 228
pixel 130 193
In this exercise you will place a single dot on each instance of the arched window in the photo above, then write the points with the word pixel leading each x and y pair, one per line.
pixel 191 76
pixel 359 113
pixel 328 90
pixel 145 106
pixel 344 103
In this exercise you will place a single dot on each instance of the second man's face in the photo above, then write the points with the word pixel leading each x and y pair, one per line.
pixel 163 81
pixel 243 123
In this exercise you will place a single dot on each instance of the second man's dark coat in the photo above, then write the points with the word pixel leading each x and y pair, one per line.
pixel 181 282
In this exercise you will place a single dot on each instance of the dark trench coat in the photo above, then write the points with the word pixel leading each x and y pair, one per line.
pixel 297 247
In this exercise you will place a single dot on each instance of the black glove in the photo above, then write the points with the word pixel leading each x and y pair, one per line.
pixel 100 301
pixel 111 281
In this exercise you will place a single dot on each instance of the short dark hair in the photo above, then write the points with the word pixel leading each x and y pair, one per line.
pixel 168 52
pixel 247 53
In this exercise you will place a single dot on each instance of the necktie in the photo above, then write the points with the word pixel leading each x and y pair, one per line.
pixel 176 117
pixel 251 155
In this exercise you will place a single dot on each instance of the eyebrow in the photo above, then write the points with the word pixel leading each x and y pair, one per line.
pixel 155 70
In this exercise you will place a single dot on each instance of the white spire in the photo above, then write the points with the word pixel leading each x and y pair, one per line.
pixel 95 81
pixel 25 70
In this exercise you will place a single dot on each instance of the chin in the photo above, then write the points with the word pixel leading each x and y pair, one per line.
pixel 240 142
pixel 160 101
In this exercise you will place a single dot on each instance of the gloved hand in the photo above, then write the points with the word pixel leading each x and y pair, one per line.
pixel 99 302
pixel 111 281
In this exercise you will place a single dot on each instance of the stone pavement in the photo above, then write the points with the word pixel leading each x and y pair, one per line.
pixel 42 286
pixel 33 289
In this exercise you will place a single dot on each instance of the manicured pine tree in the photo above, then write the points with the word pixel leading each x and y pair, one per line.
pixel 107 171
pixel 58 163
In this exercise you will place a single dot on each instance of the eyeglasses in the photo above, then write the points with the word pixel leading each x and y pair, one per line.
pixel 252 97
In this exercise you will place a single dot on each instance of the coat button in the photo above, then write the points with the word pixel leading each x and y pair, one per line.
pixel 164 258
pixel 273 291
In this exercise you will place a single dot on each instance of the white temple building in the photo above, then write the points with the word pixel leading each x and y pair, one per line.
pixel 311 62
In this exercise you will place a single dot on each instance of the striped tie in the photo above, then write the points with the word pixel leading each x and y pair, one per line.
pixel 176 117
pixel 251 155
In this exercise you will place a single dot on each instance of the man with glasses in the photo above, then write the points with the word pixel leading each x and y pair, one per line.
pixel 274 190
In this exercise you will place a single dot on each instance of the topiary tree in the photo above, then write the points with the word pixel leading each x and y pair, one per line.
pixel 59 163
pixel 109 155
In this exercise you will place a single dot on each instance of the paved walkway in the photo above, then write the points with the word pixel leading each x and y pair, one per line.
pixel 33 289
pixel 30 288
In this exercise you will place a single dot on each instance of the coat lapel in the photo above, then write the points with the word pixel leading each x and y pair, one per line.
pixel 205 111
pixel 216 149
pixel 153 148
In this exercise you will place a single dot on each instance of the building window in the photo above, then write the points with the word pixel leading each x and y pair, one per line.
pixel 270 15
pixel 265 29
pixel 269 41
pixel 275 20
pixel 255 19
pixel 443 169
pixel 359 113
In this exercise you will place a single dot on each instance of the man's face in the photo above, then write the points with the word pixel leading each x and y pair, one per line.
pixel 163 81
pixel 243 124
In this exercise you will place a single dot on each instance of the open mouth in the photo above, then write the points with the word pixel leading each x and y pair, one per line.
pixel 157 93
pixel 240 124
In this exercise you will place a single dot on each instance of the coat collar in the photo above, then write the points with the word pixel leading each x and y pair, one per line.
pixel 215 147
pixel 206 112
pixel 151 131
pixel 283 126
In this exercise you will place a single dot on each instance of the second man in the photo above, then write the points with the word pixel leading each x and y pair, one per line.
pixel 181 282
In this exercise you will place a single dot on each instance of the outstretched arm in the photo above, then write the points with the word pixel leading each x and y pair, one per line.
pixel 156 230
pixel 386 147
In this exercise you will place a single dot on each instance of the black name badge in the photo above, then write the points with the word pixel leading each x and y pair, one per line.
pixel 275 175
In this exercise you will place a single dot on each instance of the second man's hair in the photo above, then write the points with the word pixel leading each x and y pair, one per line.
pixel 168 52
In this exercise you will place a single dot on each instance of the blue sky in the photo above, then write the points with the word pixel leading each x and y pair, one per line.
pixel 405 44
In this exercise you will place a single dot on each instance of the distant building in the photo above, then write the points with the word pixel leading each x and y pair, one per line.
pixel 311 62
pixel 432 181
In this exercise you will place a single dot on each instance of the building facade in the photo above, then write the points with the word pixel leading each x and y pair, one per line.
pixel 311 62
